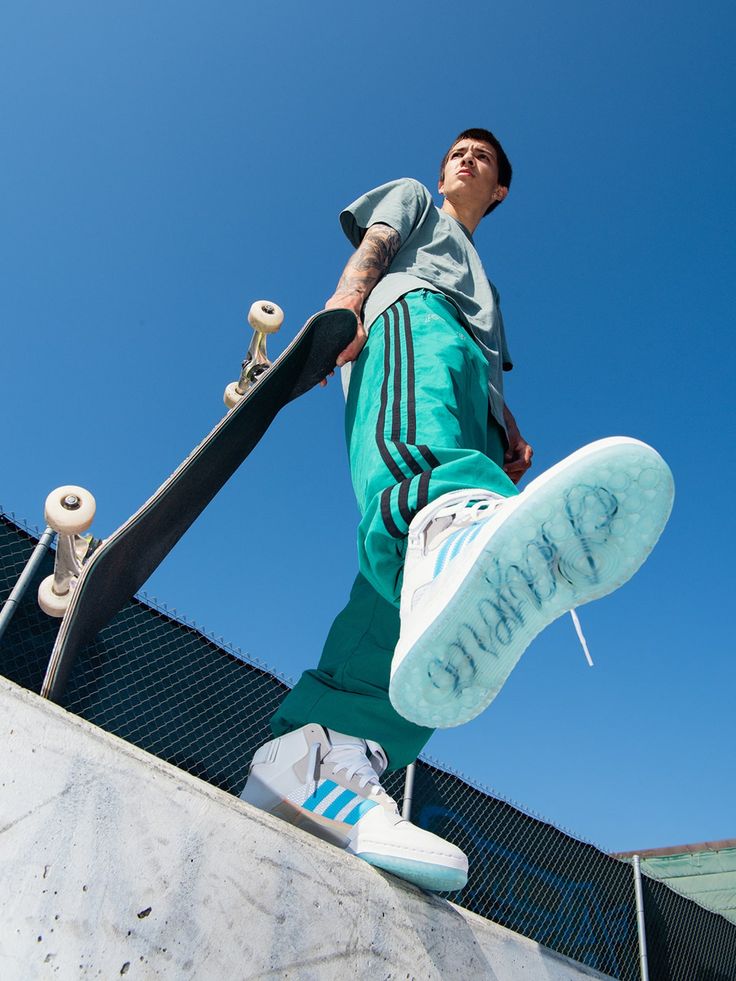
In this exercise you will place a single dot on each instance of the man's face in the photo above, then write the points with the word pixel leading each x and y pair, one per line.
pixel 471 174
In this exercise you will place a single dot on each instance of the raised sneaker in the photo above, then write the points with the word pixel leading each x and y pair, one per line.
pixel 328 783
pixel 484 575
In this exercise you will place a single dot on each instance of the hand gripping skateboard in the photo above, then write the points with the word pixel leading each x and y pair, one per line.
pixel 97 587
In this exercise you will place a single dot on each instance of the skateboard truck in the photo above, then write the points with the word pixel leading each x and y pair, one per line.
pixel 265 318
pixel 69 510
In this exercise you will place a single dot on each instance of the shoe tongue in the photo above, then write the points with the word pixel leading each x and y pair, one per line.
pixel 377 755
pixel 340 739
pixel 373 752
pixel 440 524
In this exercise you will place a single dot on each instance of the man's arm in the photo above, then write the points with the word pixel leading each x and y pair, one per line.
pixel 518 457
pixel 367 266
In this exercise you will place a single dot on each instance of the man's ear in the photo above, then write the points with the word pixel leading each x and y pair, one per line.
pixel 440 186
pixel 499 194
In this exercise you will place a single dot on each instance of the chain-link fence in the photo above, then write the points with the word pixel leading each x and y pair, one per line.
pixel 687 952
pixel 168 688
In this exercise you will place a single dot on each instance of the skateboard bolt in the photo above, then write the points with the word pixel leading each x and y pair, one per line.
pixel 268 308
pixel 71 502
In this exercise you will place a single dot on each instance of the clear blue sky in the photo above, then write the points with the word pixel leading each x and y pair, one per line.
pixel 164 164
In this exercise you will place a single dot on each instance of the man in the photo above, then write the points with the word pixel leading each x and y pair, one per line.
pixel 458 572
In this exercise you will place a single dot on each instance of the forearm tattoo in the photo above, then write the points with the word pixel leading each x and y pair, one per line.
pixel 371 260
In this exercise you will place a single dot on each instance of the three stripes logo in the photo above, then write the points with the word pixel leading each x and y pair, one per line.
pixel 330 800
pixel 453 545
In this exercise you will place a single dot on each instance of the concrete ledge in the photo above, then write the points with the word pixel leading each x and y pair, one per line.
pixel 113 863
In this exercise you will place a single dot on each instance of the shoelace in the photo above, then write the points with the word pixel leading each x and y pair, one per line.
pixel 581 637
pixel 455 520
pixel 474 510
pixel 350 757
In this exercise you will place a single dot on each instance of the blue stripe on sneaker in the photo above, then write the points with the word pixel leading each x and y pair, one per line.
pixel 352 817
pixel 475 531
pixel 462 538
pixel 442 555
pixel 319 795
pixel 342 800
pixel 453 544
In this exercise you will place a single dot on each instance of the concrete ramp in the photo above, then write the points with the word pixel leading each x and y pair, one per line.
pixel 115 864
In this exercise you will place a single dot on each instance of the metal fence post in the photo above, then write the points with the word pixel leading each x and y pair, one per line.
pixel 11 603
pixel 408 792
pixel 643 962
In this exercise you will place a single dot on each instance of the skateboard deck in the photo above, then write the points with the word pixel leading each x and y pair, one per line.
pixel 125 560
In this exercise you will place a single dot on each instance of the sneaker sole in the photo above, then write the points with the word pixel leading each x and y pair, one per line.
pixel 584 528
pixel 435 878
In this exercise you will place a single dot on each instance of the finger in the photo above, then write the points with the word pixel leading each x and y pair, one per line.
pixel 515 470
pixel 353 349
pixel 349 354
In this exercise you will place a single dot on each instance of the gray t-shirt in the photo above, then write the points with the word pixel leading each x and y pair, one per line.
pixel 436 253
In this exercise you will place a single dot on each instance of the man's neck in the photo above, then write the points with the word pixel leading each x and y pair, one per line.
pixel 467 216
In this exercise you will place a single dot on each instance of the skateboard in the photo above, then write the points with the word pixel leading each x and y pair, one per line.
pixel 92 580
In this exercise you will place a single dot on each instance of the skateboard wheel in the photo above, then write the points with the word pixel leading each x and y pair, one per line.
pixel 232 396
pixel 69 510
pixel 265 316
pixel 50 601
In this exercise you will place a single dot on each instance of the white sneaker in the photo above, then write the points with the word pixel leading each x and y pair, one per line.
pixel 484 575
pixel 327 783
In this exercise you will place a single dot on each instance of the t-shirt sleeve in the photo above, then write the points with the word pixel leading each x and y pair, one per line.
pixel 506 363
pixel 402 204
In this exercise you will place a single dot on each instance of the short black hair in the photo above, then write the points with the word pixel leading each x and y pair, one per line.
pixel 486 136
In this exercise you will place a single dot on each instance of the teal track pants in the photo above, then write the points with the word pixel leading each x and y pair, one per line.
pixel 417 426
